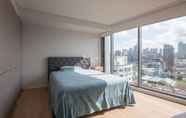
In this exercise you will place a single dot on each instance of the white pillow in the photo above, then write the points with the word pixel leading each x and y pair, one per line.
pixel 70 68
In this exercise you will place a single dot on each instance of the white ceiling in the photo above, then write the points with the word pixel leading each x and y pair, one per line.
pixel 93 16
pixel 99 11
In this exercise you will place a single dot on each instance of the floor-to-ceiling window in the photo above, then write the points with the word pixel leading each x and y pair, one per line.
pixel 163 56
pixel 125 55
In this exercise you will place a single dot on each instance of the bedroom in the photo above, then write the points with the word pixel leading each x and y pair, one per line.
pixel 117 37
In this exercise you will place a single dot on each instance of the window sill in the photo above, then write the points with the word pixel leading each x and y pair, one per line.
pixel 160 95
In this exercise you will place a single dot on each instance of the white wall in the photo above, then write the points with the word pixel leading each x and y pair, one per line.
pixel 9 57
pixel 40 42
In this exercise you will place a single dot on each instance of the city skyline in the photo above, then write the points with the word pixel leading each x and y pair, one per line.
pixel 155 35
pixel 158 50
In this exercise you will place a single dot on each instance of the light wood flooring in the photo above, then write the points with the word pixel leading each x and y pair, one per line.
pixel 34 104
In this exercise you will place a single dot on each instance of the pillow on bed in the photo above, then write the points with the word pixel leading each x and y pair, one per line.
pixel 70 68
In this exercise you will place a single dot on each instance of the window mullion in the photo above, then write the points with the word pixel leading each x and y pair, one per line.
pixel 139 56
pixel 111 52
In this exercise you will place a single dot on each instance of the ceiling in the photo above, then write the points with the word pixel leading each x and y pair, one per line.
pixel 97 12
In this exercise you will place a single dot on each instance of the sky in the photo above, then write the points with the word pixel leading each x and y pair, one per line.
pixel 154 35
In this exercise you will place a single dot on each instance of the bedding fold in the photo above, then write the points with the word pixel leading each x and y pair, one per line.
pixel 73 94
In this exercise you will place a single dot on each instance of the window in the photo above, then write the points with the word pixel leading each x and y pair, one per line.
pixel 162 58
pixel 125 55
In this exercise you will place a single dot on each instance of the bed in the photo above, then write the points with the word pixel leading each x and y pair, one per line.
pixel 79 91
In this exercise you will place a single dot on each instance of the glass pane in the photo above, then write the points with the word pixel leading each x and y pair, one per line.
pixel 164 56
pixel 125 57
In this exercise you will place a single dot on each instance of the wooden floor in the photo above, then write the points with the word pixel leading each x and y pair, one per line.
pixel 34 104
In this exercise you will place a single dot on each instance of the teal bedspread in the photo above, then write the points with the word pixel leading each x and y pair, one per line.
pixel 77 93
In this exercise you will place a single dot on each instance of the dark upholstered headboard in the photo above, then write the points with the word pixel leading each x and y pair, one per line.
pixel 54 63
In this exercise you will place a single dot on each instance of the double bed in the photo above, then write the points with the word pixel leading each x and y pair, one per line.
pixel 78 91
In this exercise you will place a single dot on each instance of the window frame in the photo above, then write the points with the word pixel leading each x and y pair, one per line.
pixel 139 82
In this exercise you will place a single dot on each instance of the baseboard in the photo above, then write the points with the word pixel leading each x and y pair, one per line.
pixel 35 87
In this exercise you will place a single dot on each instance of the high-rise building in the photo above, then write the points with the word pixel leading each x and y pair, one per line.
pixel 121 57
pixel 180 68
pixel 135 53
pixel 117 53
pixel 120 60
pixel 168 57
pixel 130 56
pixel 154 50
pixel 181 50
pixel 161 52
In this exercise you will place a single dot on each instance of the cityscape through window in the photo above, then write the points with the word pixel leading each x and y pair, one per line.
pixel 163 56
pixel 125 59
